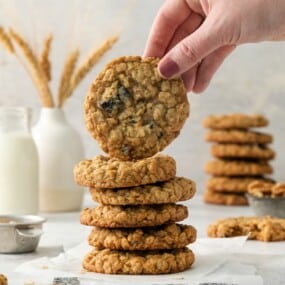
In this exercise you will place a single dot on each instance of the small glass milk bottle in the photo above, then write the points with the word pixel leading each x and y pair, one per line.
pixel 19 173
pixel 60 148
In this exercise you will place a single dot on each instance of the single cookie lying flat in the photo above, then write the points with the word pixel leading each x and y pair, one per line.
pixel 238 136
pixel 233 184
pixel 235 121
pixel 242 151
pixel 105 172
pixel 133 216
pixel 132 111
pixel 259 228
pixel 138 262
pixel 168 236
pixel 226 198
pixel 172 191
pixel 222 167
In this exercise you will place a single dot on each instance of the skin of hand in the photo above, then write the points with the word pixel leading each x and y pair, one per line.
pixel 193 37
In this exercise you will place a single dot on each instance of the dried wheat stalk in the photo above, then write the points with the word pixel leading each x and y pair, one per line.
pixel 44 58
pixel 67 72
pixel 37 73
pixel 5 41
pixel 40 69
pixel 89 63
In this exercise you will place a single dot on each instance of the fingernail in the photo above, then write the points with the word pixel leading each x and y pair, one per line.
pixel 168 68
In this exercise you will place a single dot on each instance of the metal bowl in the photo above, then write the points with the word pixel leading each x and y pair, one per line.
pixel 263 206
pixel 19 234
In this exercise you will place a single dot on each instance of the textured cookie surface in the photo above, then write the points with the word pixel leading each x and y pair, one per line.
pixel 224 198
pixel 238 136
pixel 233 184
pixel 133 216
pixel 242 151
pixel 132 111
pixel 105 172
pixel 3 280
pixel 221 167
pixel 137 262
pixel 168 236
pixel 172 191
pixel 266 189
pixel 259 228
pixel 235 121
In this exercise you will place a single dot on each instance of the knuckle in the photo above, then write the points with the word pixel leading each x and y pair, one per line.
pixel 159 44
pixel 188 51
pixel 201 85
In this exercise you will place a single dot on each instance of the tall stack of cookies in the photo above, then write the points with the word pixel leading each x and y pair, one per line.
pixel 241 154
pixel 134 114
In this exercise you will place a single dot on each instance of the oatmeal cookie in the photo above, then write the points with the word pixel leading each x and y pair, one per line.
pixel 3 280
pixel 133 216
pixel 225 198
pixel 266 189
pixel 278 190
pixel 132 111
pixel 259 228
pixel 235 121
pixel 172 191
pixel 222 167
pixel 106 172
pixel 238 137
pixel 138 262
pixel 242 151
pixel 168 236
pixel 233 184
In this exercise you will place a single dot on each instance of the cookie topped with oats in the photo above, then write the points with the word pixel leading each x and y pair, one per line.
pixel 235 121
pixel 132 111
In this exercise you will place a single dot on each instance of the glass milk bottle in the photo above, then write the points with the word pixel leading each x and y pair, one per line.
pixel 60 148
pixel 19 182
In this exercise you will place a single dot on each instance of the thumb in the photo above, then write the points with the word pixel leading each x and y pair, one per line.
pixel 190 51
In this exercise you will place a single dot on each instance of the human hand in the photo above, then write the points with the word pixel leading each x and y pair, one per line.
pixel 193 37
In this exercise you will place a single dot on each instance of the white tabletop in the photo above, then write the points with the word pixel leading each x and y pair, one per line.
pixel 63 231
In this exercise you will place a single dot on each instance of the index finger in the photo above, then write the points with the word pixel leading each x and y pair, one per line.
pixel 170 16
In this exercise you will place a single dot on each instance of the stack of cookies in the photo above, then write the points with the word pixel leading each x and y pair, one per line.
pixel 242 156
pixel 135 230
pixel 134 113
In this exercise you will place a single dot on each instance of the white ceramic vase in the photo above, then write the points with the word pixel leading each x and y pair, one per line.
pixel 59 148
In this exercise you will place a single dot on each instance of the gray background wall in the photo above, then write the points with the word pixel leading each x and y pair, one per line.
pixel 251 80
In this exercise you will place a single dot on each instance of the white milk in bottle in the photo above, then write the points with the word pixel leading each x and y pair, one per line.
pixel 60 148
pixel 19 182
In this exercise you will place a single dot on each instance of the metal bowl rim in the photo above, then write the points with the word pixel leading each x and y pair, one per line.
pixel 22 220
pixel 267 198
